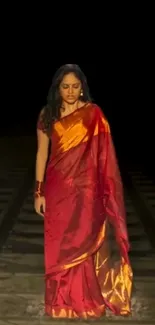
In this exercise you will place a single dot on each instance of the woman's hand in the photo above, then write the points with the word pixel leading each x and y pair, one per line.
pixel 40 205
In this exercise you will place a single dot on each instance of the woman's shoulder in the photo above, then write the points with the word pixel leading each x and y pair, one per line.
pixel 98 112
pixel 96 108
pixel 42 111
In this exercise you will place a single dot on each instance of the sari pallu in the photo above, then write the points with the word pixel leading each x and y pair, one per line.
pixel 87 269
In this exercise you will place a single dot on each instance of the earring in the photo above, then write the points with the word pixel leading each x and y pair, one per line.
pixel 81 94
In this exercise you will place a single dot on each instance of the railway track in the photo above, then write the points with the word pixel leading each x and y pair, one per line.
pixel 22 262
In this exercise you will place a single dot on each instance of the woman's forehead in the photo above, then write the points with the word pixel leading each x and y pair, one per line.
pixel 70 78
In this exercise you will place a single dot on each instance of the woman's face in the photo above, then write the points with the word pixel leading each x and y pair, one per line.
pixel 70 88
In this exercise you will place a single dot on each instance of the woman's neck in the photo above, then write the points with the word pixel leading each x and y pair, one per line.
pixel 69 108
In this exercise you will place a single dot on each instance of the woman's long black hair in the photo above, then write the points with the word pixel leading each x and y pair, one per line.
pixel 51 112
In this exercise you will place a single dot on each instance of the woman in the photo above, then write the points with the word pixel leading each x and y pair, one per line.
pixel 87 269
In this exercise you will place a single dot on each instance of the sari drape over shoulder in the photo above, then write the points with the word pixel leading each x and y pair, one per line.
pixel 87 269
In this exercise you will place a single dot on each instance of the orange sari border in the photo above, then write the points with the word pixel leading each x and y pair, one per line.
pixel 75 127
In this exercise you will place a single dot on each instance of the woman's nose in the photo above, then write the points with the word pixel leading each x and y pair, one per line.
pixel 70 90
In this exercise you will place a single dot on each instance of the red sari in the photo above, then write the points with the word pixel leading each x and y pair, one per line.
pixel 87 269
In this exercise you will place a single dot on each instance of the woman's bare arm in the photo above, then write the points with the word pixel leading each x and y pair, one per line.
pixel 42 155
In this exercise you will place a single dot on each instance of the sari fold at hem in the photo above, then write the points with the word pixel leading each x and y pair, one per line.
pixel 69 313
